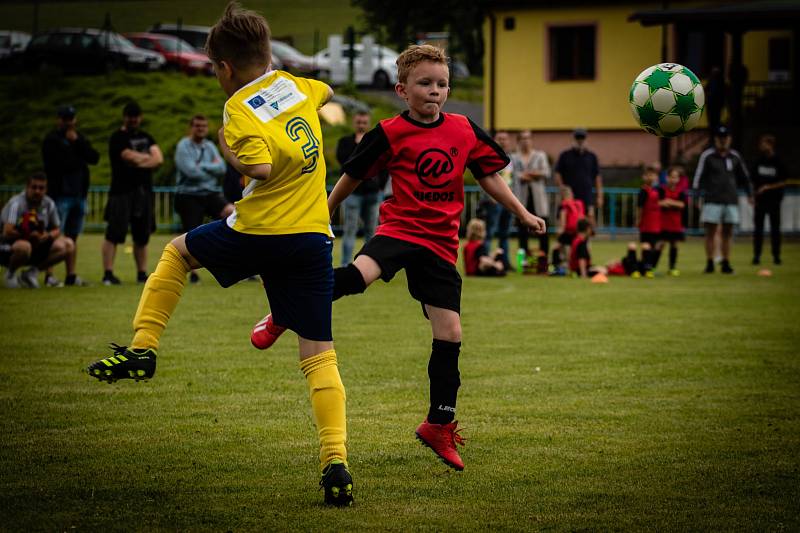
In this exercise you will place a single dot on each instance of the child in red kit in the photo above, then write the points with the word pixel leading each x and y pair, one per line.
pixel 570 212
pixel 673 204
pixel 649 217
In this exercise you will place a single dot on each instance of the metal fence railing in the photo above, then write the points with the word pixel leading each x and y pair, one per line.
pixel 618 216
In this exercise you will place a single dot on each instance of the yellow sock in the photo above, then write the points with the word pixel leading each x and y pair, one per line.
pixel 327 405
pixel 160 296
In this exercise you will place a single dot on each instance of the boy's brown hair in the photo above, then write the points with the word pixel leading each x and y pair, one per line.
pixel 416 54
pixel 240 38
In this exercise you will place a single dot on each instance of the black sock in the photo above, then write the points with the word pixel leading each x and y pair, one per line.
pixel 141 275
pixel 673 257
pixel 70 279
pixel 647 259
pixel 556 257
pixel 656 255
pixel 347 280
pixel 108 273
pixel 445 380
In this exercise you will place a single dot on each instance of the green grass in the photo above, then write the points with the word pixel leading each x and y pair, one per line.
pixel 168 101
pixel 665 404
pixel 295 21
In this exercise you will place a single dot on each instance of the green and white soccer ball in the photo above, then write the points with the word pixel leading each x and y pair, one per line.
pixel 667 99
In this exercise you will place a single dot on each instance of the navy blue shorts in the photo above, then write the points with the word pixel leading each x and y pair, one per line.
pixel 297 270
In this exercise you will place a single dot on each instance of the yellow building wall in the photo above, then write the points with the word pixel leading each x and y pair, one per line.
pixel 526 98
pixel 755 52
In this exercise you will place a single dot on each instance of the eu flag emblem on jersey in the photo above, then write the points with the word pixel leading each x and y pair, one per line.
pixel 256 102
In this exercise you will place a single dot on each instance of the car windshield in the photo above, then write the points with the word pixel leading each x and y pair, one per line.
pixel 116 40
pixel 173 45
pixel 284 51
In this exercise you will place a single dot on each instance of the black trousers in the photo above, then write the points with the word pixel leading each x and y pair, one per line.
pixel 762 210
pixel 522 230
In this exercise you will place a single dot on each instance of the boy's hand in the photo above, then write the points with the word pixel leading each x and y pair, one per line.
pixel 534 223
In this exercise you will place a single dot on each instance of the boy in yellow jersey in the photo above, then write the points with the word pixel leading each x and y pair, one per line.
pixel 278 230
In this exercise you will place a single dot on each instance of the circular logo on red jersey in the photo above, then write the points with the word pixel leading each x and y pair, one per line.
pixel 433 168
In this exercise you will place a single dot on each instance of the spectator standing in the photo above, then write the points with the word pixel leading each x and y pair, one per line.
pixel 363 204
pixel 719 171
pixel 67 154
pixel 199 168
pixel 769 182
pixel 31 234
pixel 498 218
pixel 531 170
pixel 578 168
pixel 134 154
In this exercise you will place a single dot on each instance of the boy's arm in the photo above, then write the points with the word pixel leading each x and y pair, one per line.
pixel 497 188
pixel 256 172
pixel 343 188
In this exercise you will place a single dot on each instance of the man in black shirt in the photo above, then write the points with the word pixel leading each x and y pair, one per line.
pixel 364 202
pixel 769 181
pixel 134 154
pixel 578 168
pixel 67 154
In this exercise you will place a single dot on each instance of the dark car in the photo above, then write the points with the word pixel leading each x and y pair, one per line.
pixel 178 53
pixel 86 50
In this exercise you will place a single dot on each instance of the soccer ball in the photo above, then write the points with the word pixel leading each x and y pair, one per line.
pixel 667 99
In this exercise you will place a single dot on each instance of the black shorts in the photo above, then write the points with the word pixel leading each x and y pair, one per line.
pixel 567 238
pixel 39 253
pixel 193 208
pixel 649 238
pixel 431 279
pixel 297 271
pixel 134 208
pixel 673 236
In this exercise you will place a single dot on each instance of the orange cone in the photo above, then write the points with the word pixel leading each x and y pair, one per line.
pixel 600 278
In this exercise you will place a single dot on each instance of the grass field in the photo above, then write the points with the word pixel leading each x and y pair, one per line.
pixel 665 404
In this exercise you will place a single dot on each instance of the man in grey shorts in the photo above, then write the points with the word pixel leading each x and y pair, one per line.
pixel 720 171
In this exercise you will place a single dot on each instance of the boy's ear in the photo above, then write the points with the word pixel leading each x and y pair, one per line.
pixel 400 89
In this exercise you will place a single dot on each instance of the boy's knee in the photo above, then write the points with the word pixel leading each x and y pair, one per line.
pixel 22 247
pixel 347 280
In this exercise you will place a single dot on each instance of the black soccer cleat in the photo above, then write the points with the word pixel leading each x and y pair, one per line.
pixel 126 363
pixel 338 484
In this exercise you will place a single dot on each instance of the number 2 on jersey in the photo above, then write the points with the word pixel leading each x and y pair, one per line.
pixel 299 130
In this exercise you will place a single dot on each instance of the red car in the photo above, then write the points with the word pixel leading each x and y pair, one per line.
pixel 179 54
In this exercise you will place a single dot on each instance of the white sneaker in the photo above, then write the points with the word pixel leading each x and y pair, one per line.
pixel 52 281
pixel 30 278
pixel 12 280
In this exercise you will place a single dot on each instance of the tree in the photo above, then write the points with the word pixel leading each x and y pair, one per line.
pixel 400 22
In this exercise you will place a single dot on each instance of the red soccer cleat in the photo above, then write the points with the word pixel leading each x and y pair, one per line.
pixel 442 439
pixel 265 333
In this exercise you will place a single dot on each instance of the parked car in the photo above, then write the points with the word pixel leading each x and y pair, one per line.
pixel 196 36
pixel 293 59
pixel 383 73
pixel 13 42
pixel 86 50
pixel 178 53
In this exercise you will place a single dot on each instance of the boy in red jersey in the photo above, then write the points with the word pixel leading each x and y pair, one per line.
pixel 673 203
pixel 649 216
pixel 426 152
pixel 580 258
pixel 570 212
pixel 477 260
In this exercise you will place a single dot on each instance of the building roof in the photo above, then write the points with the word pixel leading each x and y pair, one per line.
pixel 772 14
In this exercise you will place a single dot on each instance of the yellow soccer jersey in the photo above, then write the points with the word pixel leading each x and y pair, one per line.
pixel 273 120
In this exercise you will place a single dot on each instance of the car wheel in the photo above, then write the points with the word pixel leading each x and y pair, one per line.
pixel 380 80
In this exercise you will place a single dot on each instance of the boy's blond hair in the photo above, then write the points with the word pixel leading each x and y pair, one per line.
pixel 476 230
pixel 416 54
pixel 240 38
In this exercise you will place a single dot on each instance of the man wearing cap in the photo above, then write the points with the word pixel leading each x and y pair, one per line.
pixel 134 154
pixel 67 154
pixel 578 168
pixel 720 170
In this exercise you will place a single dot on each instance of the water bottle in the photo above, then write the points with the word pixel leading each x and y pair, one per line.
pixel 520 260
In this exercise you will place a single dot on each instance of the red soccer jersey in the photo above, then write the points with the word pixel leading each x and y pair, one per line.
pixel 672 217
pixel 579 249
pixel 575 211
pixel 426 163
pixel 472 255
pixel 650 222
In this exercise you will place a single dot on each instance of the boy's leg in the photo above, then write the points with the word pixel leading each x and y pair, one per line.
pixel 758 232
pixel 438 431
pixel 158 300
pixel 673 254
pixel 775 231
pixel 355 277
pixel 326 392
